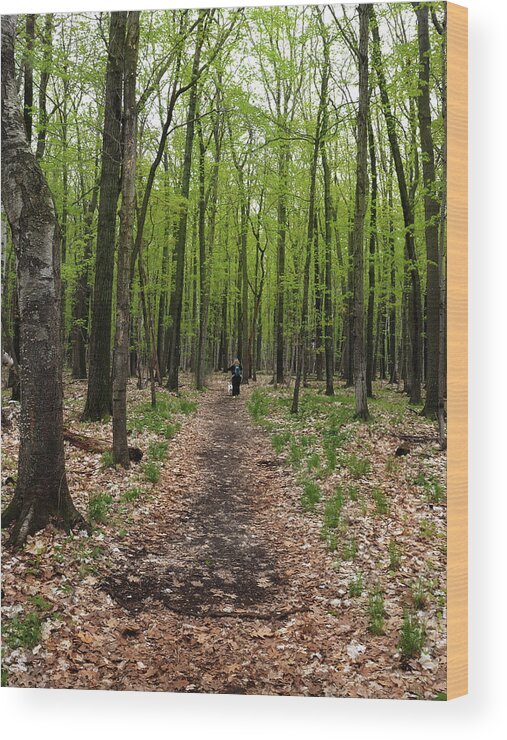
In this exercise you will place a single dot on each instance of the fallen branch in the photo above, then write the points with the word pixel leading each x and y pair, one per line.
pixel 97 446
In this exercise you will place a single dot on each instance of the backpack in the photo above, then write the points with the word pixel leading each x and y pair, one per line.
pixel 237 371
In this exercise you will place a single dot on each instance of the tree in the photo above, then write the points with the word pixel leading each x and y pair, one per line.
pixel 361 405
pixel 176 305
pixel 408 218
pixel 431 212
pixel 98 399
pixel 125 243
pixel 42 494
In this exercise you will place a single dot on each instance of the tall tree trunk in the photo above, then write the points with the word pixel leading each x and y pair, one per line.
pixel 176 307
pixel 328 237
pixel 371 264
pixel 431 212
pixel 283 167
pixel 42 492
pixel 81 306
pixel 408 218
pixel 361 404
pixel 125 244
pixel 98 399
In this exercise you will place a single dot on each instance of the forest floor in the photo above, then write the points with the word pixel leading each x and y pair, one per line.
pixel 249 552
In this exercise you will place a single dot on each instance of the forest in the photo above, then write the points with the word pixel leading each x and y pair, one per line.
pixel 181 188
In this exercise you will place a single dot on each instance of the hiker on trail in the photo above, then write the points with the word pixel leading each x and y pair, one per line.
pixel 237 370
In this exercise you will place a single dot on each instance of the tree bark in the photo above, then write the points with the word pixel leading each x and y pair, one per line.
pixel 431 213
pixel 42 492
pixel 125 244
pixel 361 400
pixel 371 264
pixel 98 400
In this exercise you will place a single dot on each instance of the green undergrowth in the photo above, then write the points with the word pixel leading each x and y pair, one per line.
pixel 351 489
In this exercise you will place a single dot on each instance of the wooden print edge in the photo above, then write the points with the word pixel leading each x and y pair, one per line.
pixel 457 350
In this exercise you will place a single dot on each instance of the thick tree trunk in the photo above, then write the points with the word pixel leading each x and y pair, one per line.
pixel 125 244
pixel 98 400
pixel 361 404
pixel 41 491
pixel 431 213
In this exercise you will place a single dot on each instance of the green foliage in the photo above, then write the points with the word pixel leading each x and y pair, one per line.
pixel 279 441
pixel 258 405
pixel 151 472
pixel 381 503
pixel 333 509
pixel 296 455
pixel 434 491
pixel 106 459
pixel 419 592
pixel 157 451
pixel 376 612
pixel 23 631
pixel 427 529
pixel 131 494
pixel 394 551
pixel 311 495
pixel 358 467
pixel 356 585
pixel 412 637
pixel 98 507
pixel 350 549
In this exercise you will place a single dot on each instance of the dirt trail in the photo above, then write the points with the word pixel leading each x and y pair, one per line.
pixel 216 559
pixel 218 580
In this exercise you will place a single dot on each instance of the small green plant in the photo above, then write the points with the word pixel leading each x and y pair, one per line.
pixel 131 494
pixel 151 472
pixel 353 493
pixel 331 458
pixel 40 603
pixel 310 495
pixel 185 405
pixel 434 491
pixel 332 542
pixel 394 551
pixel 279 441
pixel 419 593
pixel 23 632
pixel 358 467
pixel 157 451
pixel 333 509
pixel 171 430
pixel 412 637
pixel 428 529
pixel 313 462
pixel 376 612
pixel 5 678
pixel 295 455
pixel 106 459
pixel 98 507
pixel 349 551
pixel 258 405
pixel 356 585
pixel 381 503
